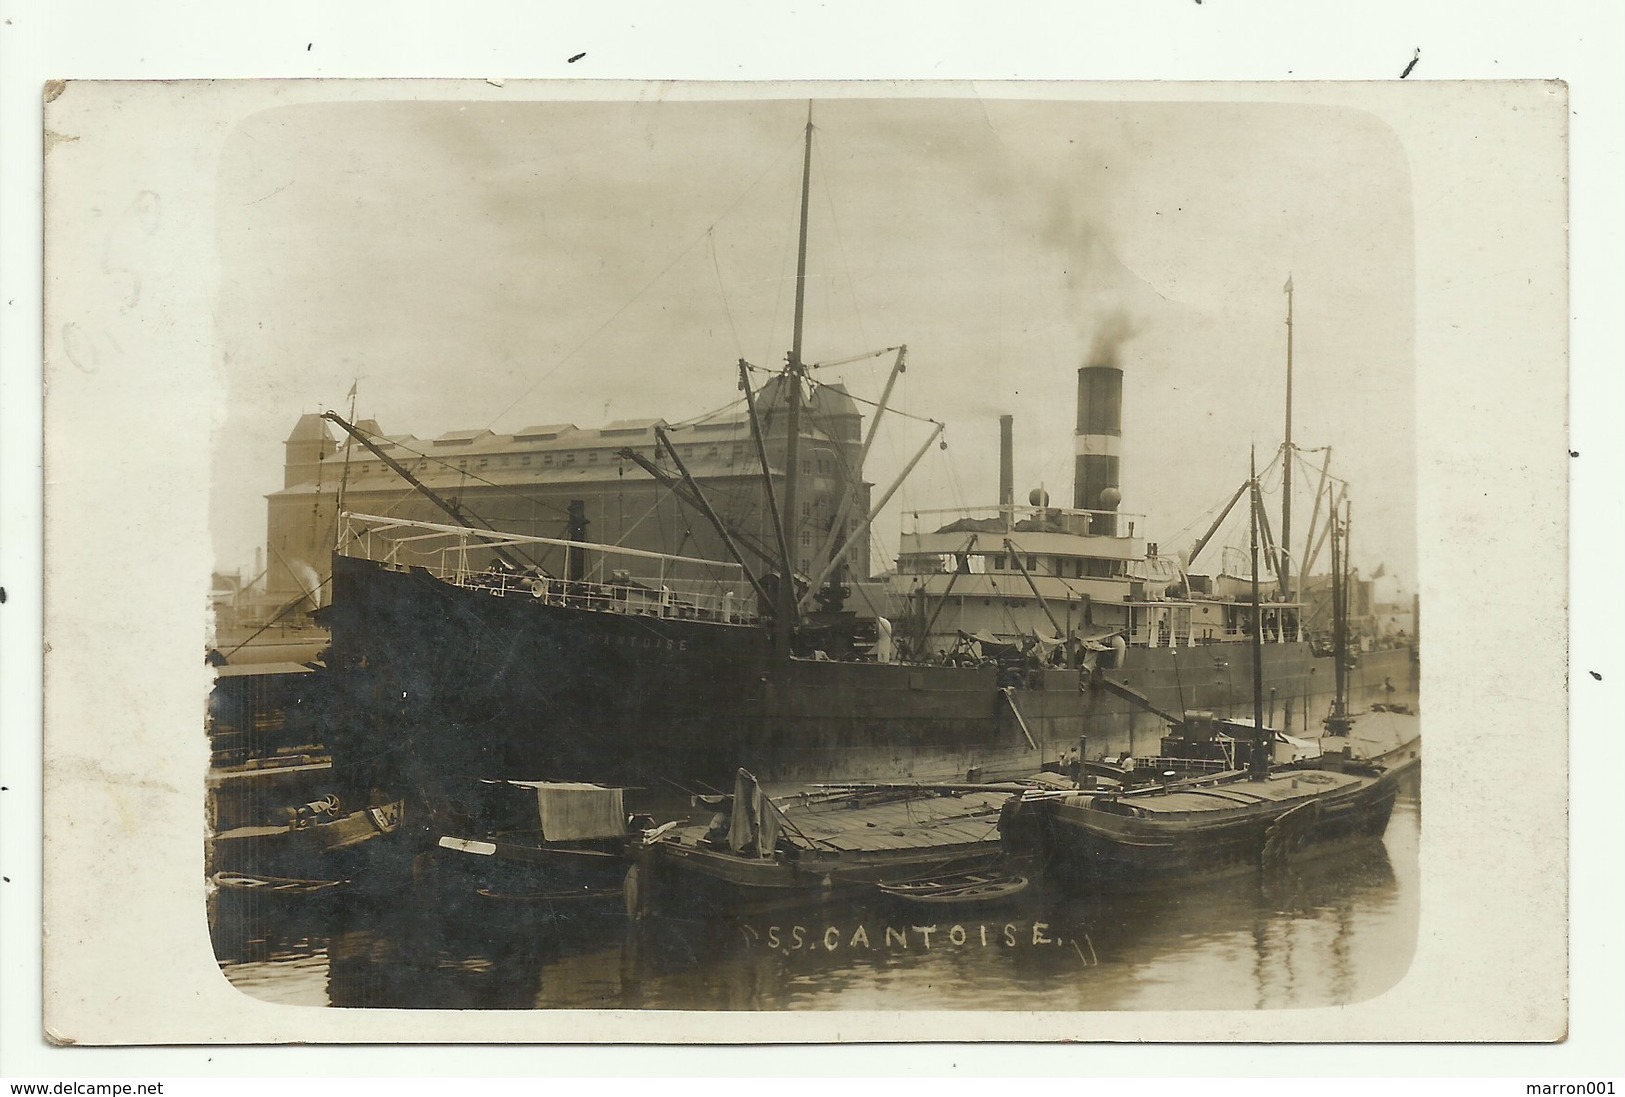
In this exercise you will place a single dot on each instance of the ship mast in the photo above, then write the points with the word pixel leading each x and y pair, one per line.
pixel 1284 570
pixel 784 611
pixel 1338 723
pixel 1259 761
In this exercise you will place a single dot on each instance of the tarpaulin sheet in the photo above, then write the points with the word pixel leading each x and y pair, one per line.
pixel 571 811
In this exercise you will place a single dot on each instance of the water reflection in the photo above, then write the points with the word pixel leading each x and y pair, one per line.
pixel 1329 931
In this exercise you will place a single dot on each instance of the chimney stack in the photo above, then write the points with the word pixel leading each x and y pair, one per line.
pixel 1007 461
pixel 1097 443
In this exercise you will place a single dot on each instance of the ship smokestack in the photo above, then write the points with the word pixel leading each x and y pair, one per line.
pixel 575 559
pixel 1097 443
pixel 1007 461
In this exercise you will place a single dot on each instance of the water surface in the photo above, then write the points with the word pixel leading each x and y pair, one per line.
pixel 1334 930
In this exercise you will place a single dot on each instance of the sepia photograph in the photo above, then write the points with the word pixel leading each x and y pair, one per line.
pixel 654 579
pixel 712 553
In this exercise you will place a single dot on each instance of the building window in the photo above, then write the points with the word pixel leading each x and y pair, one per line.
pixel 525 460
pixel 484 461
pixel 503 462
pixel 592 457
pixel 463 464
pixel 806 539
pixel 569 458
pixel 547 459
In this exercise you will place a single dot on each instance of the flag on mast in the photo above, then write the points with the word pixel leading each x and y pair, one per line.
pixel 1288 287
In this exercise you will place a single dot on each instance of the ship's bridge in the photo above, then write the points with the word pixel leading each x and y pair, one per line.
pixel 1016 570
pixel 1042 541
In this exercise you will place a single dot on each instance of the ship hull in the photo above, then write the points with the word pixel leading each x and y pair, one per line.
pixel 441 681
pixel 1144 848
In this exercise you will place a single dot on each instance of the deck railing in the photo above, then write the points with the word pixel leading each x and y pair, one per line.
pixel 1109 523
pixel 651 584
pixel 1171 630
pixel 1198 765
pixel 625 595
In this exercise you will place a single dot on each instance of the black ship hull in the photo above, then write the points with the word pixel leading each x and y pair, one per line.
pixel 440 681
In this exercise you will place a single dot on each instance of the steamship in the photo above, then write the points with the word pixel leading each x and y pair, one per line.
pixel 1006 638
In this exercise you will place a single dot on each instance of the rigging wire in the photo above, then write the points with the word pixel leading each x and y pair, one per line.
pixel 707 416
pixel 902 499
pixel 840 242
pixel 465 475
pixel 276 617
pixel 890 410
pixel 722 292
pixel 855 358
pixel 599 330
pixel 1201 519
pixel 907 493
pixel 955 484
pixel 790 244
pixel 315 513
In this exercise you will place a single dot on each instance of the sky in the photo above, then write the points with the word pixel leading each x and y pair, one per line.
pixel 496 265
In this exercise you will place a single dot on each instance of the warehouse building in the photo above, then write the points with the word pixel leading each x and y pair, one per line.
pixel 524 483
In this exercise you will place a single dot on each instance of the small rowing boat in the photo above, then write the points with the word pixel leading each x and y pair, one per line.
pixel 274 885
pixel 962 889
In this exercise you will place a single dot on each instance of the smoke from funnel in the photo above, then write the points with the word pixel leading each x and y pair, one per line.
pixel 1112 330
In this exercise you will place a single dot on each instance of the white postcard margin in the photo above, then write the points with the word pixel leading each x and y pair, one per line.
pixel 133 389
